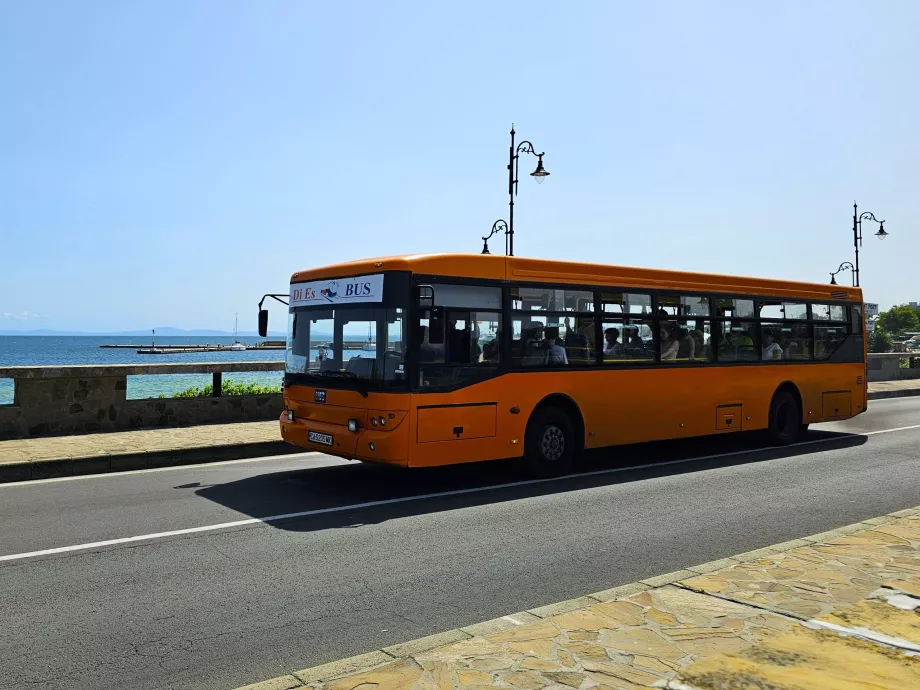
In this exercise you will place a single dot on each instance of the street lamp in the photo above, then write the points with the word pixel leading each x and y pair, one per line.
pixel 497 226
pixel 845 265
pixel 857 234
pixel 513 163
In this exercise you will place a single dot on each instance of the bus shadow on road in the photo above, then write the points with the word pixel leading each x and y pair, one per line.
pixel 348 496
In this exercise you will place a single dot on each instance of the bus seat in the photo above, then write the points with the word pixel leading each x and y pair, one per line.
pixel 361 366
pixel 391 361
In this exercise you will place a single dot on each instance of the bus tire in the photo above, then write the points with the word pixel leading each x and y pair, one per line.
pixel 785 425
pixel 549 443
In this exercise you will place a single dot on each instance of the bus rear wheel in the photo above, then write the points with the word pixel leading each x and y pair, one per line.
pixel 549 443
pixel 785 419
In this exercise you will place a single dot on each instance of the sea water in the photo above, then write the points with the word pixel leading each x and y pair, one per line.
pixel 85 350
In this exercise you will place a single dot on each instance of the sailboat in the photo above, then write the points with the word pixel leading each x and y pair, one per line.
pixel 237 345
pixel 370 345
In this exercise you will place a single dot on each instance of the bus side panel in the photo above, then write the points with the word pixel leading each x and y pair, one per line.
pixel 490 430
pixel 621 406
pixel 656 404
pixel 635 406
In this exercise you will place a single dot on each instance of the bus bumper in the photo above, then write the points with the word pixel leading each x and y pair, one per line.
pixel 368 445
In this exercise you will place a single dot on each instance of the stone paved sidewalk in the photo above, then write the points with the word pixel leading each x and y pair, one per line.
pixel 42 457
pixel 650 633
pixel 872 644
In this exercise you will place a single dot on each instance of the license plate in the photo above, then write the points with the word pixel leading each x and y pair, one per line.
pixel 316 437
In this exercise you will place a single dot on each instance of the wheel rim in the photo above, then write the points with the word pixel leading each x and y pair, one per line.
pixel 553 443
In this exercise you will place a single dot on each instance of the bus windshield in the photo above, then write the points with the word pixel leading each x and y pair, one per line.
pixel 353 341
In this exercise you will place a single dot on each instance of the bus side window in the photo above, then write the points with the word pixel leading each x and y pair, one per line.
pixel 436 326
pixel 856 320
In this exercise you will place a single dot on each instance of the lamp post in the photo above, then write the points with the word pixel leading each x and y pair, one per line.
pixel 497 226
pixel 845 265
pixel 514 154
pixel 857 234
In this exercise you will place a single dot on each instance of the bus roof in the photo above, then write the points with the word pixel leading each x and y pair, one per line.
pixel 521 269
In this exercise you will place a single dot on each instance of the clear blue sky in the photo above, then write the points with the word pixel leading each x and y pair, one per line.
pixel 165 163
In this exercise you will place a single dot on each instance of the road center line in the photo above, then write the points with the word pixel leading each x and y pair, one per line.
pixel 408 499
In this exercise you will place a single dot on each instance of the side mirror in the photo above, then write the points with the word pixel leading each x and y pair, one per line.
pixel 424 295
pixel 263 323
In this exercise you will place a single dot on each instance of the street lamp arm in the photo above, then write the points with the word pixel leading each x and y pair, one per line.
pixel 527 147
pixel 867 215
pixel 497 226
pixel 844 266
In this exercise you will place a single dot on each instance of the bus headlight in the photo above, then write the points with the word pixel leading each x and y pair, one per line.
pixel 290 415
pixel 352 425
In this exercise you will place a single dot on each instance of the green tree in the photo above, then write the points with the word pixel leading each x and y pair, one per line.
pixel 879 341
pixel 898 319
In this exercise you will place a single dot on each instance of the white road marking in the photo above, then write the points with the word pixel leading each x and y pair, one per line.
pixel 171 468
pixel 888 431
pixel 408 499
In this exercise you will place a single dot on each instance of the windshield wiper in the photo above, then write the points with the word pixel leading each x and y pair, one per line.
pixel 350 375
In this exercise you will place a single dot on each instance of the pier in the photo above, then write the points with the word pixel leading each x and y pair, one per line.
pixel 152 349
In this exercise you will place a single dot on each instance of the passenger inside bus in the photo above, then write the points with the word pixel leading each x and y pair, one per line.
pixel 771 349
pixel 555 354
pixel 686 348
pixel 578 340
pixel 669 344
pixel 532 345
pixel 458 342
pixel 490 349
pixel 612 344
pixel 634 342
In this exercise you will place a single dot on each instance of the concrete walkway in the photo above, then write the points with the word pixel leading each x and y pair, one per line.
pixel 834 610
pixel 56 456
pixel 893 389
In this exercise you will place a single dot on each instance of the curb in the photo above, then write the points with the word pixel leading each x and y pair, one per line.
pixel 905 393
pixel 50 468
pixel 366 662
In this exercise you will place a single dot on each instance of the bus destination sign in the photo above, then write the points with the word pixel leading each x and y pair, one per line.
pixel 355 290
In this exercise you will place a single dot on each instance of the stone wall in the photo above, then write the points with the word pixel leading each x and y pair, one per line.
pixel 887 367
pixel 75 400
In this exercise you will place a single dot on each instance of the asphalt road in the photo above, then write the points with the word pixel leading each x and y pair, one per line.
pixel 225 606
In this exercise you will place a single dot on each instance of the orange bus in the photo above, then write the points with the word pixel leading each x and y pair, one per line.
pixel 438 359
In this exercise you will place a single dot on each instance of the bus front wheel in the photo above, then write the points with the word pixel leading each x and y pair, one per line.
pixel 785 419
pixel 549 443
